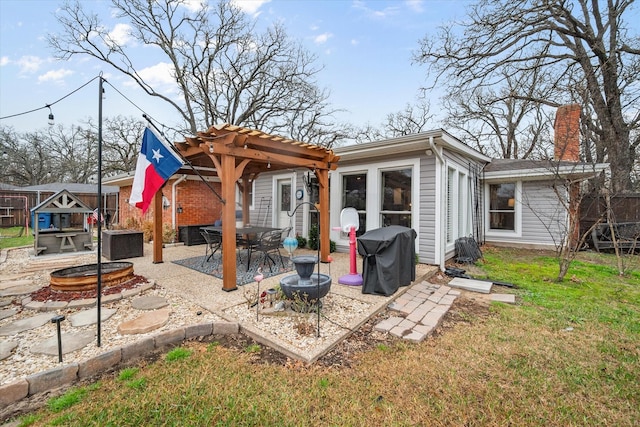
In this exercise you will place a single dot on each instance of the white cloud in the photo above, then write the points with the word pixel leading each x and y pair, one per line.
pixel 160 76
pixel 250 6
pixel 120 34
pixel 355 42
pixel 54 75
pixel 415 5
pixel 29 64
pixel 322 38
pixel 4 61
pixel 194 5
pixel 376 14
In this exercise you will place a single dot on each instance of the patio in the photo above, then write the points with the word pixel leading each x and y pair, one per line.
pixel 345 307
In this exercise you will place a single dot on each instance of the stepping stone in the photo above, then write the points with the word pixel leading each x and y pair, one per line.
pixel 11 283
pixel 145 323
pixel 506 298
pixel 6 347
pixel 25 324
pixel 5 302
pixel 471 285
pixel 19 290
pixel 149 303
pixel 7 313
pixel 70 342
pixel 89 317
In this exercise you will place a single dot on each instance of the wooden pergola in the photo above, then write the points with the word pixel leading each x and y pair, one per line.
pixel 237 155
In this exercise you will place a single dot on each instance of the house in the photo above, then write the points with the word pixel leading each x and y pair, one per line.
pixel 430 182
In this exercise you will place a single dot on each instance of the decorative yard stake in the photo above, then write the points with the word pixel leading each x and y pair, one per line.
pixel 258 278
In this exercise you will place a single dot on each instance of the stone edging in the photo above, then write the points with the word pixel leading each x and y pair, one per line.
pixel 53 378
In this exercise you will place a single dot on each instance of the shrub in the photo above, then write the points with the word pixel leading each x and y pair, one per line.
pixel 302 242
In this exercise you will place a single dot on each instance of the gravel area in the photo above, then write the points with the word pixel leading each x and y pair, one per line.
pixel 23 362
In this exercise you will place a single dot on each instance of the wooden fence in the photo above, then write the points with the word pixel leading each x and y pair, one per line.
pixel 625 208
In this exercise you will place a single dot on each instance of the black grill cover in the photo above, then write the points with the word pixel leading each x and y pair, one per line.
pixel 389 259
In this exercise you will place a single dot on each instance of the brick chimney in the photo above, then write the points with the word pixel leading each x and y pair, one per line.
pixel 567 133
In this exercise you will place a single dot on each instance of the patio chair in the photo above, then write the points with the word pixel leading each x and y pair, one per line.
pixel 248 242
pixel 269 245
pixel 213 241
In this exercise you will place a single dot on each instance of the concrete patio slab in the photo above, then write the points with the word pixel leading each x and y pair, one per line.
pixel 471 285
pixel 6 347
pixel 89 317
pixel 25 324
pixel 70 342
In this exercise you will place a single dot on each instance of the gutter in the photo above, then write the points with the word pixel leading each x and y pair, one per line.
pixel 440 247
pixel 173 199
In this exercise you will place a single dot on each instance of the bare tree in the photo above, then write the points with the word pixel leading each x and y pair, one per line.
pixel 27 160
pixel 414 118
pixel 504 122
pixel 121 138
pixel 74 154
pixel 224 68
pixel 585 44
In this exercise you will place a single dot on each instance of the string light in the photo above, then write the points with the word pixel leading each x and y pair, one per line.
pixel 211 148
pixel 51 119
pixel 269 165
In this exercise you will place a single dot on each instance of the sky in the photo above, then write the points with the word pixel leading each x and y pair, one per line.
pixel 364 46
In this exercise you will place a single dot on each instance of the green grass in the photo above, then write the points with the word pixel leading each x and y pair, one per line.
pixel 178 354
pixel 15 237
pixel 67 400
pixel 568 354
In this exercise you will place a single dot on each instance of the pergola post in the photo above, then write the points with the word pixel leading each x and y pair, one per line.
pixel 227 176
pixel 323 211
pixel 157 227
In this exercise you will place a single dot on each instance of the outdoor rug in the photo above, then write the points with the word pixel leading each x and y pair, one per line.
pixel 213 267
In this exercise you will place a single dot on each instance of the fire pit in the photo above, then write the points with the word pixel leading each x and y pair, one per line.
pixel 85 277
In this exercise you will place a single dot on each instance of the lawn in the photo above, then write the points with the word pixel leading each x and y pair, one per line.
pixel 13 237
pixel 567 354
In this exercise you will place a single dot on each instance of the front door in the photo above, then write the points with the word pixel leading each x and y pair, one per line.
pixel 284 202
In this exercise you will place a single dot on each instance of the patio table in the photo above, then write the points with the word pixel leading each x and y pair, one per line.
pixel 246 232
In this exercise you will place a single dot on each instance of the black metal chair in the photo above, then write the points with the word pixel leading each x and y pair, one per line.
pixel 248 242
pixel 268 245
pixel 213 240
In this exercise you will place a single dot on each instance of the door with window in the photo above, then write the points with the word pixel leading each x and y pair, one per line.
pixel 354 195
pixel 284 204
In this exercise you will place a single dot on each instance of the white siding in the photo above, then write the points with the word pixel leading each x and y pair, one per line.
pixel 542 219
pixel 428 206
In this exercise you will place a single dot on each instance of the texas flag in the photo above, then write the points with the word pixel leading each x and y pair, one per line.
pixel 156 163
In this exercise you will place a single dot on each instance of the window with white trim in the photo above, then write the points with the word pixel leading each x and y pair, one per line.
pixel 354 195
pixel 396 197
pixel 458 205
pixel 502 202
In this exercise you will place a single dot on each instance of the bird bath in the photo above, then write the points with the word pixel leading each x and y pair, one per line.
pixel 306 287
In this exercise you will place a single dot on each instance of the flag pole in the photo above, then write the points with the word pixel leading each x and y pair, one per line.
pixel 185 160
pixel 99 208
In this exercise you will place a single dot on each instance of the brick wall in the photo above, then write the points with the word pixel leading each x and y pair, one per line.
pixel 199 204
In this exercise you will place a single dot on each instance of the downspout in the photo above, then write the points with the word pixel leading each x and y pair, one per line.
pixel 440 247
pixel 173 200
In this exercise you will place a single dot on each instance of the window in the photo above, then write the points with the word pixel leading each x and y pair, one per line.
pixel 502 214
pixel 458 205
pixel 396 198
pixel 354 195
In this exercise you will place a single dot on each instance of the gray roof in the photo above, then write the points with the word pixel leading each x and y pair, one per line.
pixel 524 164
pixel 72 187
pixel 4 186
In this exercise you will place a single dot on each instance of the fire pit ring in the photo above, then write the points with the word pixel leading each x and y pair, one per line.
pixel 85 277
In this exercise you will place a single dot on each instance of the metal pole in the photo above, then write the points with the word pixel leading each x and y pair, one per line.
pixel 99 209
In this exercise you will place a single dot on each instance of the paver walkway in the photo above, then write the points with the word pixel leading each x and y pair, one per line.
pixel 422 308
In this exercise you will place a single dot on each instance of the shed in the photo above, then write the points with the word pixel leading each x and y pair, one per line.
pixel 68 226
